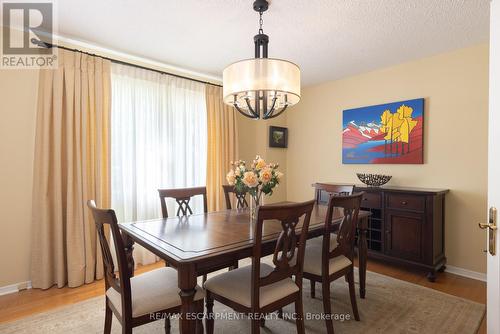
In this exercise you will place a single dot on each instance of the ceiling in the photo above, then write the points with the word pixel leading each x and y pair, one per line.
pixel 328 39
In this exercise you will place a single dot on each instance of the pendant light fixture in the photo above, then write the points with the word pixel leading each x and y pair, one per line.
pixel 261 87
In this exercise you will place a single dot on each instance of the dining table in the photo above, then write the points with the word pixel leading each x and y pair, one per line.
pixel 199 244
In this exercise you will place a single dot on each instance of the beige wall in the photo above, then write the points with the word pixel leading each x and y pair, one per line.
pixel 455 88
pixel 18 92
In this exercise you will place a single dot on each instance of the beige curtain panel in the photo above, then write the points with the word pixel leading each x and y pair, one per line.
pixel 71 166
pixel 222 140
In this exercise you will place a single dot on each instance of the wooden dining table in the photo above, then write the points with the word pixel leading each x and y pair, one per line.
pixel 202 243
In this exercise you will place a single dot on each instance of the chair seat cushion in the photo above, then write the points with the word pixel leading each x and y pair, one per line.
pixel 319 242
pixel 153 291
pixel 313 256
pixel 235 285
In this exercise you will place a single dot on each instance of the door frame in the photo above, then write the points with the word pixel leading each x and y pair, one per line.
pixel 493 269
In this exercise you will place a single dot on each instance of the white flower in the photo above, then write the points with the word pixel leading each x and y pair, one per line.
pixel 237 171
pixel 231 178
pixel 279 175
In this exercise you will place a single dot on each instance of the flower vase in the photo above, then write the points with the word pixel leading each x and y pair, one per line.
pixel 255 202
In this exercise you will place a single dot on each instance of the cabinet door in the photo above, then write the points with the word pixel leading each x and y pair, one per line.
pixel 404 235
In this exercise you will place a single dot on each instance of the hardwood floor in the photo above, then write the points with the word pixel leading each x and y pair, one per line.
pixel 25 303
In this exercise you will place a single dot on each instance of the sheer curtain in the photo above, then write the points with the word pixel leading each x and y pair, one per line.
pixel 158 140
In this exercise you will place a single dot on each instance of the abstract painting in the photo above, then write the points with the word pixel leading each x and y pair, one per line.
pixel 389 133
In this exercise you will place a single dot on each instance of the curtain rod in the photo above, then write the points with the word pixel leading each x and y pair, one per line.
pixel 49 46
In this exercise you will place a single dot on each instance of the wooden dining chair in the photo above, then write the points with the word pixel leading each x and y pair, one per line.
pixel 137 300
pixel 331 190
pixel 324 264
pixel 260 289
pixel 241 201
pixel 323 193
pixel 182 196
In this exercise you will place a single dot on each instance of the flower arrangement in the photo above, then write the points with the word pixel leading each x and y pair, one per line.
pixel 260 178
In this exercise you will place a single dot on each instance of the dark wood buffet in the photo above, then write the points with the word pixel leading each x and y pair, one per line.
pixel 407 226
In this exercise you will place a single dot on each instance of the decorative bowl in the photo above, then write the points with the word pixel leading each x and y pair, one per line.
pixel 373 180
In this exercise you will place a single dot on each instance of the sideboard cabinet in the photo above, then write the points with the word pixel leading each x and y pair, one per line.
pixel 406 226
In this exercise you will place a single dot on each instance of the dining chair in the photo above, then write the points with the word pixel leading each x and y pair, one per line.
pixel 331 190
pixel 182 196
pixel 324 264
pixel 241 201
pixel 260 288
pixel 137 300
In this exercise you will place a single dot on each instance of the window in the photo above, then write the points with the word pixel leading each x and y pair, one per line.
pixel 158 140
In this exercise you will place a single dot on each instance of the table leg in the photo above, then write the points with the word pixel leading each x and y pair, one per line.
pixel 129 250
pixel 187 280
pixel 363 254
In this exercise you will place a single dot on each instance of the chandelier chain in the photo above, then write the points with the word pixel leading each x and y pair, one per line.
pixel 261 22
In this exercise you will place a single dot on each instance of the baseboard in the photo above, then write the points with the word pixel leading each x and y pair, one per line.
pixel 466 273
pixel 5 290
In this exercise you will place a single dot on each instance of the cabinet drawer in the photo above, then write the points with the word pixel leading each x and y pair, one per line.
pixel 406 202
pixel 371 200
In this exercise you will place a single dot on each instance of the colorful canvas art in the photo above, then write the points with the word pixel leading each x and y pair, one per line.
pixel 389 133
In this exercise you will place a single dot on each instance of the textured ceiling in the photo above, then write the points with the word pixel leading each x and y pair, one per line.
pixel 328 39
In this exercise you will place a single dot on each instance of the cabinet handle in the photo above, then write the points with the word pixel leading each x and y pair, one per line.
pixel 365 199
pixel 387 232
pixel 404 202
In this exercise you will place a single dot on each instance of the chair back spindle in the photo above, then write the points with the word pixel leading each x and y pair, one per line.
pixel 347 230
pixel 182 197
pixel 241 201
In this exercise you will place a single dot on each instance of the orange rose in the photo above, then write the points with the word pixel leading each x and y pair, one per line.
pixel 250 179
pixel 261 163
pixel 266 175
